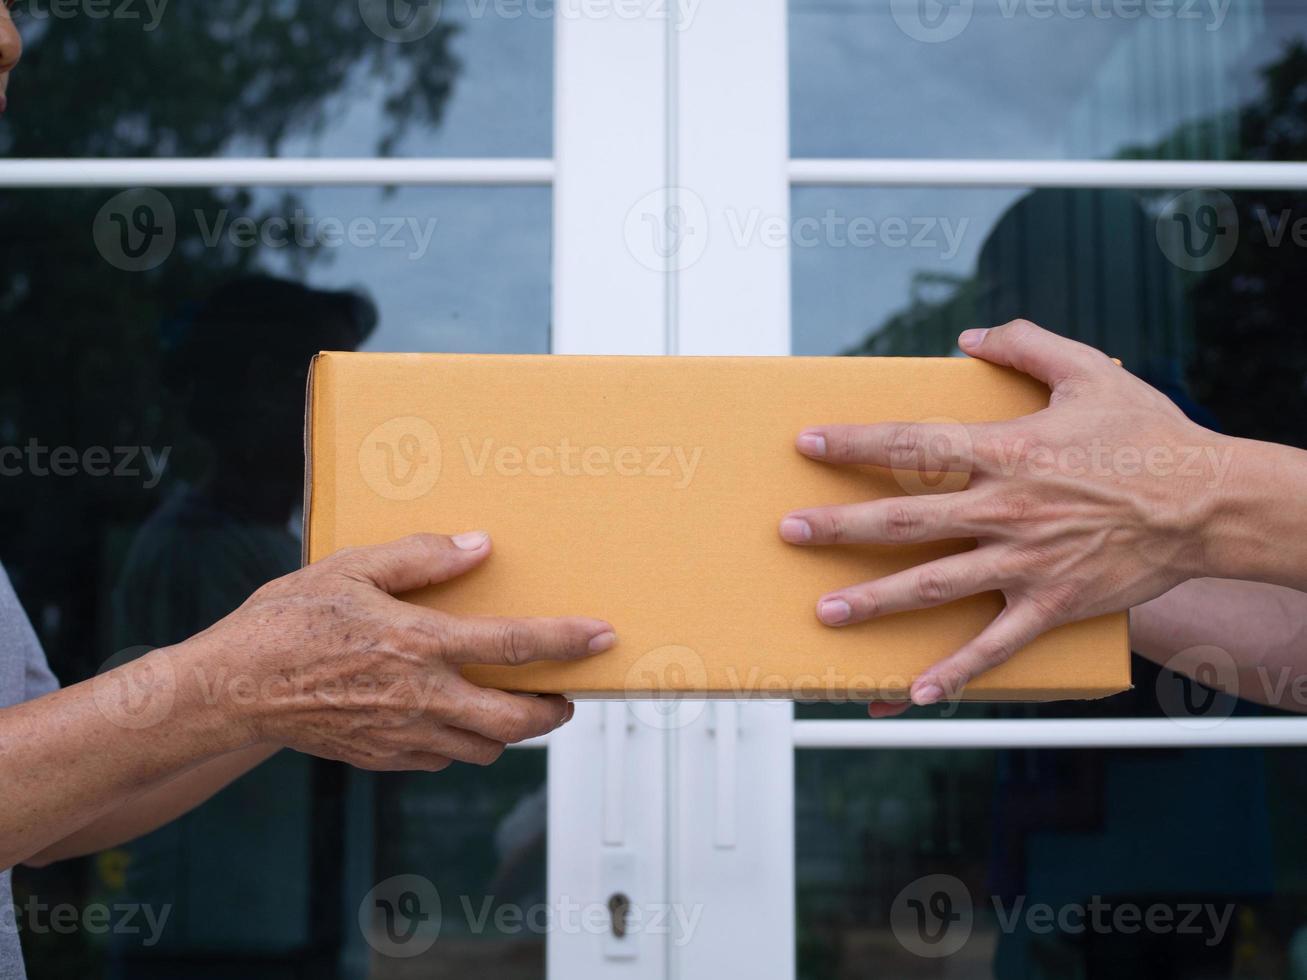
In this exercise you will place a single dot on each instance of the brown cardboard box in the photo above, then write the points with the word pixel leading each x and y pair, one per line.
pixel 647 491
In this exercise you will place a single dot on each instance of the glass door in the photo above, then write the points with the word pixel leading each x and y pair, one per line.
pixel 926 168
pixel 194 199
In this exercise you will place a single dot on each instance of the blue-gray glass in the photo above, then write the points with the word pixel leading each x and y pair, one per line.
pixel 268 77
pixel 173 330
pixel 1040 865
pixel 1040 79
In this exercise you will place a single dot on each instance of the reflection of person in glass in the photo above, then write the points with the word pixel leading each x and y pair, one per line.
pixel 239 366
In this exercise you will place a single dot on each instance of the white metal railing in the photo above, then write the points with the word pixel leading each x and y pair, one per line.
pixel 1166 174
pixel 272 172
pixel 1125 733
pixel 1039 733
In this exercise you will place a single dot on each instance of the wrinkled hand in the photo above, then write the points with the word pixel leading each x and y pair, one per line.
pixel 11 49
pixel 1091 506
pixel 345 671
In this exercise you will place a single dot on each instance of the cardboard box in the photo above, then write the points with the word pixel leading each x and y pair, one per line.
pixel 647 491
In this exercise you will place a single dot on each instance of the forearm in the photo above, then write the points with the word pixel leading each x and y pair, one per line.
pixel 72 757
pixel 1256 528
pixel 1261 628
pixel 156 807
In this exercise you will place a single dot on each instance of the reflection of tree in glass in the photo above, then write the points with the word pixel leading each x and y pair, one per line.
pixel 1234 333
pixel 1250 345
pixel 211 74
pixel 218 76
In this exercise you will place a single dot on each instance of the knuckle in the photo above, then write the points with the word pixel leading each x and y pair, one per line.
pixel 1056 600
pixel 428 541
pixel 1019 329
pixel 1013 509
pixel 934 586
pixel 903 445
pixel 831 526
pixel 488 755
pixel 866 603
pixel 512 644
pixel 902 523
pixel 511 724
pixel 991 653
pixel 840 442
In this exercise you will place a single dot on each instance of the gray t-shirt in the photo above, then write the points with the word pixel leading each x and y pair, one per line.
pixel 24 675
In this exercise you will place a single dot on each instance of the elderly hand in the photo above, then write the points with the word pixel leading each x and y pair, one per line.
pixel 330 664
pixel 11 49
pixel 1090 506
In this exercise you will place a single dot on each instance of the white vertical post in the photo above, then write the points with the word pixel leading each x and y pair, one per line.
pixel 607 779
pixel 732 833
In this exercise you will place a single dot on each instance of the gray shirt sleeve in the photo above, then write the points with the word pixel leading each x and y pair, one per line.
pixel 24 673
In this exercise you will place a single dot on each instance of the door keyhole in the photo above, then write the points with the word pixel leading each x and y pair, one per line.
pixel 619 906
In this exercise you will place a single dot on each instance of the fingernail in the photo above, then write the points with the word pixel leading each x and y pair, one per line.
pixel 832 612
pixel 602 642
pixel 471 541
pixel 971 339
pixel 927 694
pixel 796 530
pixel 812 444
pixel 571 710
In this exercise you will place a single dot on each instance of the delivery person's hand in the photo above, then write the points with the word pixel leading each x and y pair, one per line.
pixel 11 48
pixel 1093 505
pixel 338 668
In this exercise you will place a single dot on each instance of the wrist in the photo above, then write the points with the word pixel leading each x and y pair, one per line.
pixel 207 688
pixel 1245 522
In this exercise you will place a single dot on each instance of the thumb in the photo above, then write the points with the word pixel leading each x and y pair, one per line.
pixel 416 561
pixel 1034 351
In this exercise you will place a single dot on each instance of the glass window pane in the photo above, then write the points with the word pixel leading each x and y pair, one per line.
pixel 1153 864
pixel 171 333
pixel 229 78
pixel 1042 78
